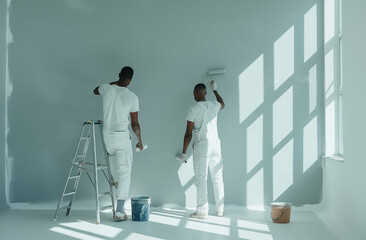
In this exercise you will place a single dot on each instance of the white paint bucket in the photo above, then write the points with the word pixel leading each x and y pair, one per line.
pixel 280 212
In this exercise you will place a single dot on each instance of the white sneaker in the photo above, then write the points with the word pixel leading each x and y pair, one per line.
pixel 198 216
pixel 220 214
pixel 120 217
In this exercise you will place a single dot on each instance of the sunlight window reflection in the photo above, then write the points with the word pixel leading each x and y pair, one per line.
pixel 310 149
pixel 313 89
pixel 255 191
pixel 224 221
pixel 283 170
pixel 310 33
pixel 191 197
pixel 74 234
pixel 185 172
pixel 329 73
pixel 100 229
pixel 209 228
pixel 250 235
pixel 164 220
pixel 138 236
pixel 251 91
pixel 282 116
pixel 328 20
pixel 255 144
pixel 168 214
pixel 330 138
pixel 284 54
pixel 252 225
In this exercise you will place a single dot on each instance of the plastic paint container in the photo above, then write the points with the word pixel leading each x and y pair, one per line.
pixel 281 212
pixel 140 208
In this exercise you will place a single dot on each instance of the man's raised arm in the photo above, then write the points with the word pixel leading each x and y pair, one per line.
pixel 213 86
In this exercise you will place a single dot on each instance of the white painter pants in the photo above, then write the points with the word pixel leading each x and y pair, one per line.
pixel 119 148
pixel 207 154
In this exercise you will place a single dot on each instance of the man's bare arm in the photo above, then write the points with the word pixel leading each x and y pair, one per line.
pixel 219 99
pixel 135 125
pixel 187 136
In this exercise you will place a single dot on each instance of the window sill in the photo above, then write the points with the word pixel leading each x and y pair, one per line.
pixel 337 158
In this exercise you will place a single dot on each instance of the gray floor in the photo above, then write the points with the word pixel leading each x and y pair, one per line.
pixel 164 223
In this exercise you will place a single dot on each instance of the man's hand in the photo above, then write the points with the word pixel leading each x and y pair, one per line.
pixel 139 145
pixel 181 158
pixel 213 85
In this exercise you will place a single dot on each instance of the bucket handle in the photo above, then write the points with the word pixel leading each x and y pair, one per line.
pixel 276 219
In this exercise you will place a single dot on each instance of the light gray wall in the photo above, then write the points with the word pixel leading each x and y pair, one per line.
pixel 3 11
pixel 344 182
pixel 63 49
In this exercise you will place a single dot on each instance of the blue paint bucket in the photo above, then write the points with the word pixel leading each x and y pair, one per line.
pixel 140 208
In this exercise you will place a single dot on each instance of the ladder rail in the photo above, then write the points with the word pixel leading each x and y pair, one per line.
pixel 80 170
pixel 110 178
pixel 76 184
pixel 70 171
pixel 96 174
pixel 86 146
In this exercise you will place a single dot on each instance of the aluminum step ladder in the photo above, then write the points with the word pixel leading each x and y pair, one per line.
pixel 79 164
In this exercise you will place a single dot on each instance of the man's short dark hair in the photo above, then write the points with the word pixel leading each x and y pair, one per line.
pixel 200 87
pixel 126 73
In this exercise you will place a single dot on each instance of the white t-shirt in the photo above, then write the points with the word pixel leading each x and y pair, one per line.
pixel 118 103
pixel 204 116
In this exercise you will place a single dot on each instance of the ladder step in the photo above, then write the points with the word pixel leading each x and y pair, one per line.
pixel 76 176
pixel 77 164
pixel 84 138
pixel 80 166
pixel 65 207
pixel 68 194
pixel 100 167
pixel 106 207
pixel 81 156
pixel 104 194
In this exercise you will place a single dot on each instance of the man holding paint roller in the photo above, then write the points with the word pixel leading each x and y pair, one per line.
pixel 119 104
pixel 202 121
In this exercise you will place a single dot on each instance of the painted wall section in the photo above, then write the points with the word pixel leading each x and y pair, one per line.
pixel 345 193
pixel 3 12
pixel 63 49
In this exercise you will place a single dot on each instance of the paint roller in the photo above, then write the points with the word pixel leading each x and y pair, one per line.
pixel 139 150
pixel 216 71
pixel 213 72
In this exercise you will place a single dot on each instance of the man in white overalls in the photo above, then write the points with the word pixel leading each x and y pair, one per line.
pixel 119 104
pixel 202 121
